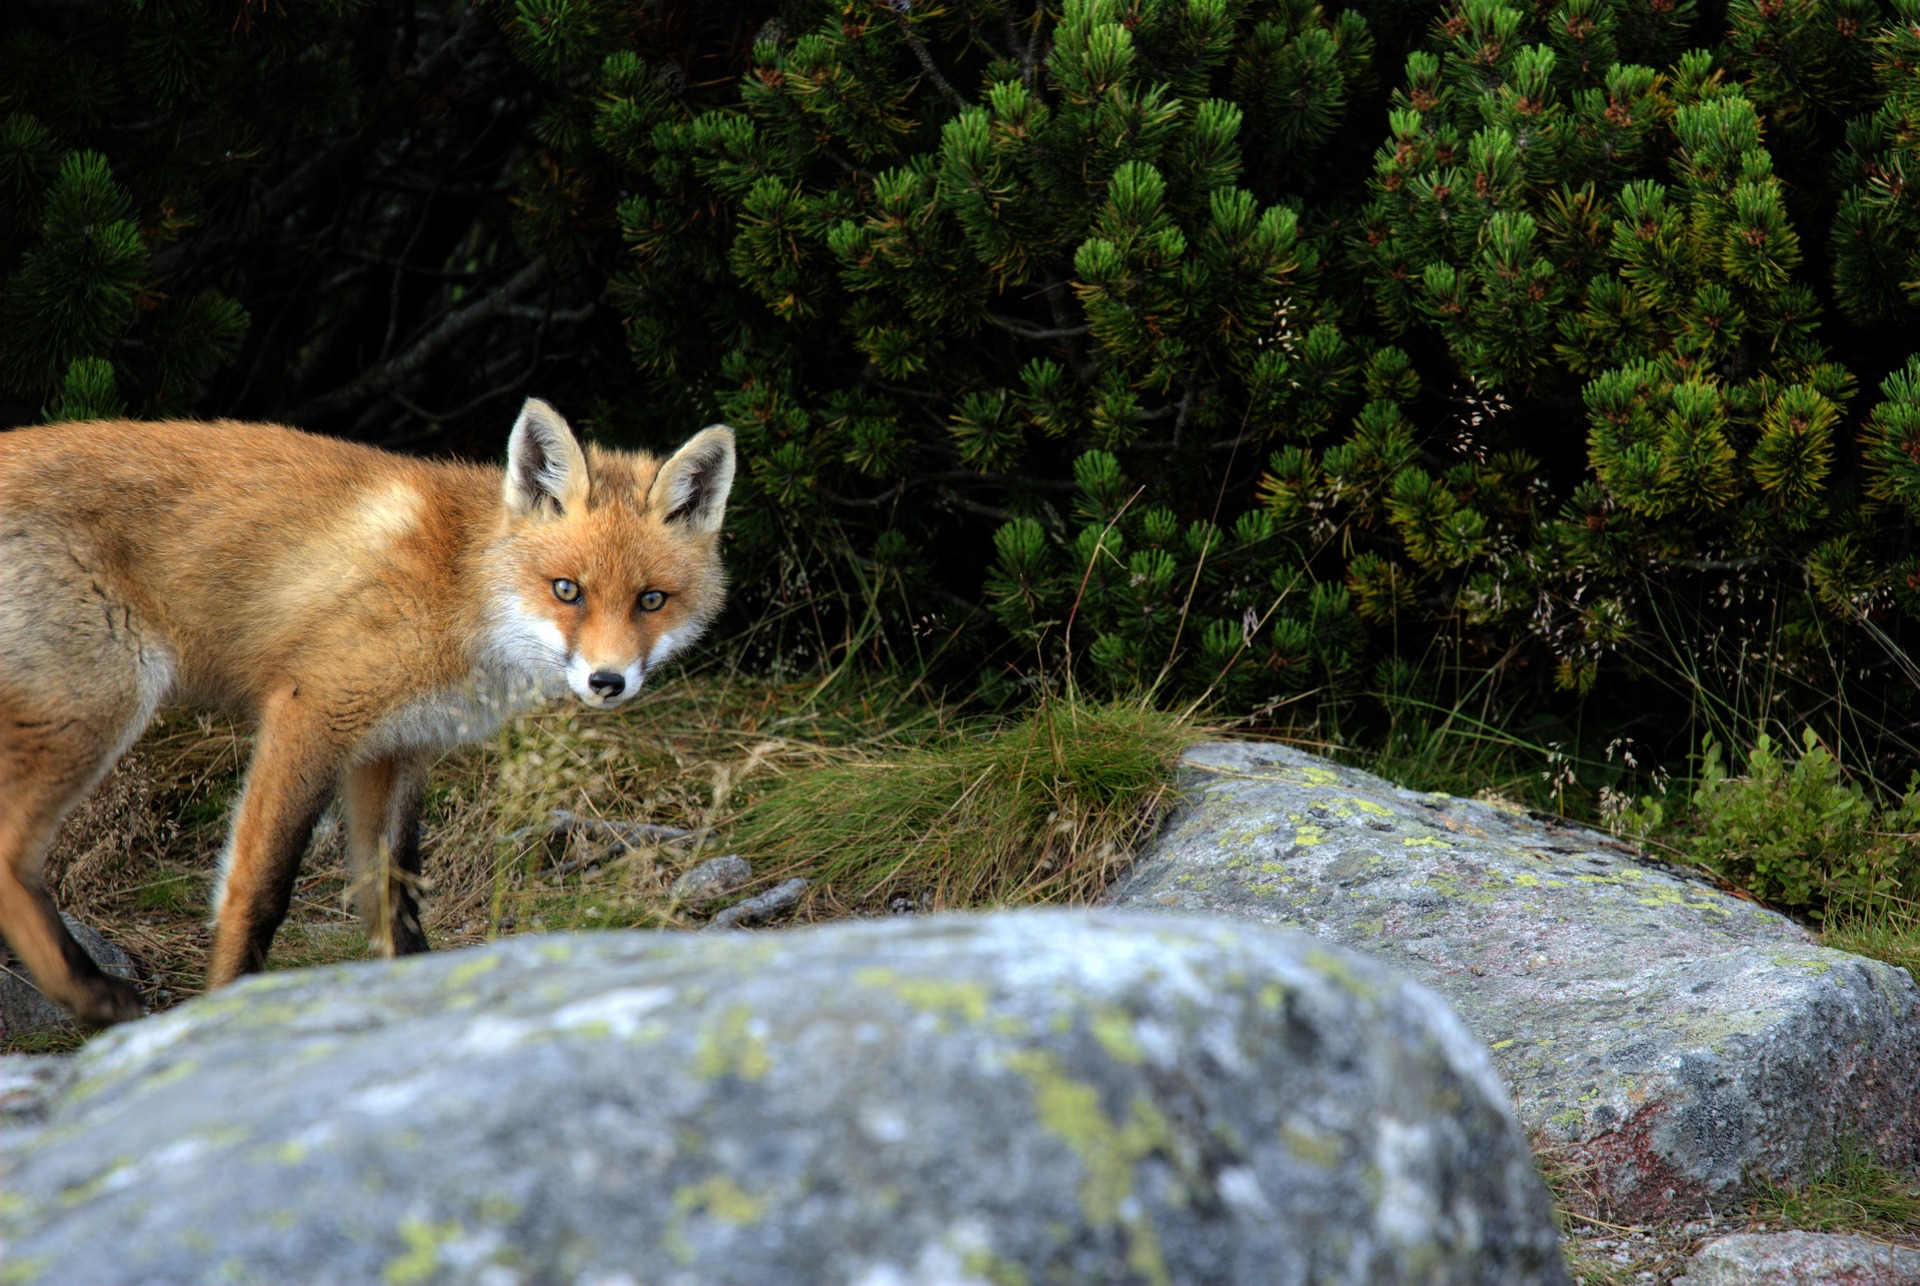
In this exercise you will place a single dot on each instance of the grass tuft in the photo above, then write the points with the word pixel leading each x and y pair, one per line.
pixel 1854 1194
pixel 1046 808
pixel 1890 933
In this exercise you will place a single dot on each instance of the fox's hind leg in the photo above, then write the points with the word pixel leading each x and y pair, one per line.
pixel 54 747
pixel 383 798
pixel 80 677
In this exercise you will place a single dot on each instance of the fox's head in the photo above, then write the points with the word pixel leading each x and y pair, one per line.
pixel 610 560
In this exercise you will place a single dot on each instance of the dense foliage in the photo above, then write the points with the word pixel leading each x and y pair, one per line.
pixel 1336 358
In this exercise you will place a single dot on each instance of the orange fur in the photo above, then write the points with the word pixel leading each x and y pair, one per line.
pixel 365 610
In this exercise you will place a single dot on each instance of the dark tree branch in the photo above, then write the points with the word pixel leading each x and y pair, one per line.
pixel 926 63
pixel 527 312
pixel 451 327
pixel 1026 330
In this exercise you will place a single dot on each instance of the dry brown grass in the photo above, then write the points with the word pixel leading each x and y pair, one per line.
pixel 137 860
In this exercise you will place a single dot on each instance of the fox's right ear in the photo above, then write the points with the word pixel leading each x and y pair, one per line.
pixel 546 469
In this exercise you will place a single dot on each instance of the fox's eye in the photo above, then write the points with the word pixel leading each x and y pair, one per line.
pixel 652 600
pixel 566 591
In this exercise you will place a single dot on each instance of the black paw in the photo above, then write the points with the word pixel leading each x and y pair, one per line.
pixel 104 1000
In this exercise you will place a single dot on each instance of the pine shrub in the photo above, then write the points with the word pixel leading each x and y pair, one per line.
pixel 1278 353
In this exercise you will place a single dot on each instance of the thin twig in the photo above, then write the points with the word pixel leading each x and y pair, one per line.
pixel 1026 330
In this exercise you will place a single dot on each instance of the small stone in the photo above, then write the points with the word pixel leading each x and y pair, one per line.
pixel 714 878
pixel 758 908
pixel 1788 1258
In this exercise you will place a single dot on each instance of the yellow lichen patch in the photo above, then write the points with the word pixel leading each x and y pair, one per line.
pixel 1304 775
pixel 1338 970
pixel 1801 962
pixel 1070 1110
pixel 422 1259
pixel 91 1085
pixel 731 1047
pixel 984 1265
pixel 965 1000
pixel 717 1196
pixel 468 970
pixel 1113 1028
pixel 21 1272
pixel 1308 835
pixel 1322 1151
pixel 81 1193
pixel 1425 841
pixel 720 1197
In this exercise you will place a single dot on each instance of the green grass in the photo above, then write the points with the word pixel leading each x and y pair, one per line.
pixel 63 1040
pixel 1041 809
pixel 173 892
pixel 1854 1194
pixel 304 944
pixel 1431 747
pixel 1890 934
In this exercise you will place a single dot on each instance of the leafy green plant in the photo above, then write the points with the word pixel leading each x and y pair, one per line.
pixel 1798 832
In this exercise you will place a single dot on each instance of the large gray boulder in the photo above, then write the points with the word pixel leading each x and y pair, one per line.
pixel 1662 1040
pixel 1038 1097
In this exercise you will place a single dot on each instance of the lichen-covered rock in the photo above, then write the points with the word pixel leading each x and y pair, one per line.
pixel 1799 1258
pixel 1663 1039
pixel 1023 1097
pixel 25 1011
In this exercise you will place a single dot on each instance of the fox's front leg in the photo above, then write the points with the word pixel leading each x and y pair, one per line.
pixel 382 799
pixel 296 755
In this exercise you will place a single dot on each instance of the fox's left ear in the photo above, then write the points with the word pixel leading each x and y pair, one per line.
pixel 692 485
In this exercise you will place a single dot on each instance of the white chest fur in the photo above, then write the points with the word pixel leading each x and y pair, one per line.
pixel 521 666
pixel 440 720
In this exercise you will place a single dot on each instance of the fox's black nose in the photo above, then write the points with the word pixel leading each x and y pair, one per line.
pixel 606 683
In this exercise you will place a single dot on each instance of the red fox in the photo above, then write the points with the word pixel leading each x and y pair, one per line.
pixel 365 610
